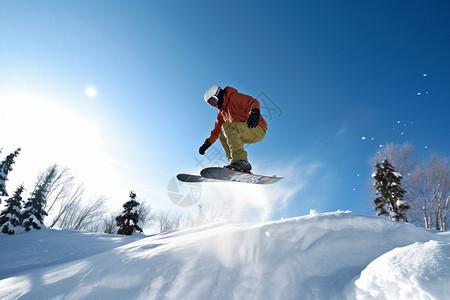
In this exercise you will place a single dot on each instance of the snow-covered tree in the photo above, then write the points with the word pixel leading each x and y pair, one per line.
pixel 34 212
pixel 388 186
pixel 10 216
pixel 128 221
pixel 426 182
pixel 5 168
pixel 405 160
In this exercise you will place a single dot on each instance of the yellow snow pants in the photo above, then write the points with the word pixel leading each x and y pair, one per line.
pixel 235 135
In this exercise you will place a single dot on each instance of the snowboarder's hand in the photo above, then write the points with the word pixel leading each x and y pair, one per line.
pixel 253 118
pixel 204 147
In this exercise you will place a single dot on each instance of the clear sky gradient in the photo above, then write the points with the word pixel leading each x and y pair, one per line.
pixel 113 90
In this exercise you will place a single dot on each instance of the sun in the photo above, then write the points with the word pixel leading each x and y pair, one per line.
pixel 91 92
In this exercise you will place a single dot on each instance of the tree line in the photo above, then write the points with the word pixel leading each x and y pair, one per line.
pixel 407 189
pixel 56 200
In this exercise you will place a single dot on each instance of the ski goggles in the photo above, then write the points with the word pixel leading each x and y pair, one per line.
pixel 213 101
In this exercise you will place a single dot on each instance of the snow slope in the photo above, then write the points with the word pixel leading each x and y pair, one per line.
pixel 321 256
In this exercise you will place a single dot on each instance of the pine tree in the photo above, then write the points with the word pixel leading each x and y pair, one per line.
pixel 33 213
pixel 128 221
pixel 5 168
pixel 388 186
pixel 10 216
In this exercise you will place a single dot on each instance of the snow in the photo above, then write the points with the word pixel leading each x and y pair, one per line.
pixel 8 225
pixel 337 255
pixel 397 174
pixel 3 176
pixel 401 202
pixel 417 271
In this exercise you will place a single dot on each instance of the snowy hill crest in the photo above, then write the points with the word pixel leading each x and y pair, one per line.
pixel 321 256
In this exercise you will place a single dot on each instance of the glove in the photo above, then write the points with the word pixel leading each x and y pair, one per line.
pixel 204 147
pixel 253 118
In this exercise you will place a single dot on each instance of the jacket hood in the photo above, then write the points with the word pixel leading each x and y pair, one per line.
pixel 226 96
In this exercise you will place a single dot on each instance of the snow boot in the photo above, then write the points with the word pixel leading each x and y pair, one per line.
pixel 240 166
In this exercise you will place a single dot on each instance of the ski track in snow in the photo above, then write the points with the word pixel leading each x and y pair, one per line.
pixel 337 255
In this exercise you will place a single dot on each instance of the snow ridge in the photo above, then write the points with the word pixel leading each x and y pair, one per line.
pixel 321 256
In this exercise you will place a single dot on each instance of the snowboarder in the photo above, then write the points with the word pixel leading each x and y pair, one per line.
pixel 238 122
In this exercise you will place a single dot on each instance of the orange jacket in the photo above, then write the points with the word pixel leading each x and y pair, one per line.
pixel 235 108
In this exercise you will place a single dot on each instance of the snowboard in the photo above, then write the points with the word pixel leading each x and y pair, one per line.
pixel 217 174
pixel 194 178
pixel 231 175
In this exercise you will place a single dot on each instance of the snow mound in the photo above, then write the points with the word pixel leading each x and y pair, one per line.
pixel 42 248
pixel 321 256
pixel 419 271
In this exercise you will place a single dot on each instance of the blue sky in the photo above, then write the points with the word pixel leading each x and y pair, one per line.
pixel 341 78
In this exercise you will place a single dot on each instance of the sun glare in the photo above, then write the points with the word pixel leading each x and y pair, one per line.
pixel 91 92
pixel 50 133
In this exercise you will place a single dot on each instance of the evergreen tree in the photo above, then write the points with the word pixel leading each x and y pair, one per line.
pixel 33 213
pixel 10 216
pixel 388 186
pixel 5 168
pixel 128 221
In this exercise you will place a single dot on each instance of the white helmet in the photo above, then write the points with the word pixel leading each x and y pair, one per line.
pixel 213 91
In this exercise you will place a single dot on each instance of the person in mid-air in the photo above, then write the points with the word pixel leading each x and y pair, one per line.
pixel 238 122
